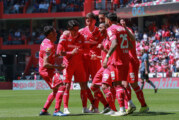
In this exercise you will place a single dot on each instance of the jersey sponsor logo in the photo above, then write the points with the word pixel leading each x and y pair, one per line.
pixel 132 76
pixel 105 77
pixel 113 75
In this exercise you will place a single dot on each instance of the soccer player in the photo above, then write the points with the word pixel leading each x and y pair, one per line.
pixel 97 81
pixel 144 69
pixel 92 39
pixel 71 46
pixel 101 16
pixel 133 70
pixel 47 71
pixel 120 60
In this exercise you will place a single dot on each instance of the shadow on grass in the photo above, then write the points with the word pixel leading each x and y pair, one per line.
pixel 151 113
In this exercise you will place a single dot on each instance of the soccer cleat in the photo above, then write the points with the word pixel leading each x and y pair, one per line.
pixel 85 110
pixel 130 110
pixel 59 113
pixel 96 110
pixel 120 113
pixel 66 111
pixel 105 110
pixel 44 113
pixel 144 109
pixel 111 112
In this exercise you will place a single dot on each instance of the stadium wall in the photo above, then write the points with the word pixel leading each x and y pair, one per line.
pixel 5 85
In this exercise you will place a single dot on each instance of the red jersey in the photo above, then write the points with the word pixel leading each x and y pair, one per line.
pixel 132 51
pixel 67 43
pixel 92 39
pixel 121 54
pixel 46 48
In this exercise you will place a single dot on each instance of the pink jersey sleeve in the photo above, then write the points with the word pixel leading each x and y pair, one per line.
pixel 111 34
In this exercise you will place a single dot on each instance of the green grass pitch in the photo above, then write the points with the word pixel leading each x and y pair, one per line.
pixel 26 105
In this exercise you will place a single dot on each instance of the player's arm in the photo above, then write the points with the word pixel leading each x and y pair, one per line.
pixel 131 35
pixel 46 63
pixel 111 50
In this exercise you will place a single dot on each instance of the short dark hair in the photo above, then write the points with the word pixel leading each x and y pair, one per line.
pixel 72 23
pixel 104 12
pixel 47 30
pixel 112 17
pixel 91 15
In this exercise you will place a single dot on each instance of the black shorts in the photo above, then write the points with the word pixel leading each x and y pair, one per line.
pixel 143 75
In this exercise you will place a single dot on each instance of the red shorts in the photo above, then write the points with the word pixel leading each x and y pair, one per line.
pixel 91 67
pixel 109 75
pixel 76 69
pixel 98 77
pixel 51 78
pixel 133 72
pixel 122 72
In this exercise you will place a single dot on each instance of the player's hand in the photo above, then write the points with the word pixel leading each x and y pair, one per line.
pixel 75 50
pixel 61 67
pixel 93 57
pixel 105 63
pixel 100 46
pixel 146 72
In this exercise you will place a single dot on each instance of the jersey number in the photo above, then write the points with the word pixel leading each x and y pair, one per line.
pixel 124 40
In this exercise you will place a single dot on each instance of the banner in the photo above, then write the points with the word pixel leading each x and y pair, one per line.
pixel 163 83
pixel 30 85
pixel 160 83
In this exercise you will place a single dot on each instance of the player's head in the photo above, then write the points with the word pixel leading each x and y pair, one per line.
pixel 50 33
pixel 111 18
pixel 73 27
pixel 102 15
pixel 90 19
pixel 102 28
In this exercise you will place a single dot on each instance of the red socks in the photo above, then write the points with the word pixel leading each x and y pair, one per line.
pixel 110 99
pixel 49 101
pixel 90 96
pixel 120 95
pixel 98 95
pixel 84 98
pixel 59 97
pixel 140 96
pixel 66 98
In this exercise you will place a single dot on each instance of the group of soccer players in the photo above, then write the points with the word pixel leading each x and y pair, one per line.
pixel 83 50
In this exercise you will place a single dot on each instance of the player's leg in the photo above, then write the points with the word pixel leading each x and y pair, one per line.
pixel 59 88
pixel 83 95
pixel 151 83
pixel 51 96
pixel 66 98
pixel 140 97
pixel 142 73
pixel 67 75
pixel 95 87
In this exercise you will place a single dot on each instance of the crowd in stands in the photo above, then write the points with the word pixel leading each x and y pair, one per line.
pixel 14 6
pixel 99 4
pixel 162 46
pixel 60 5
